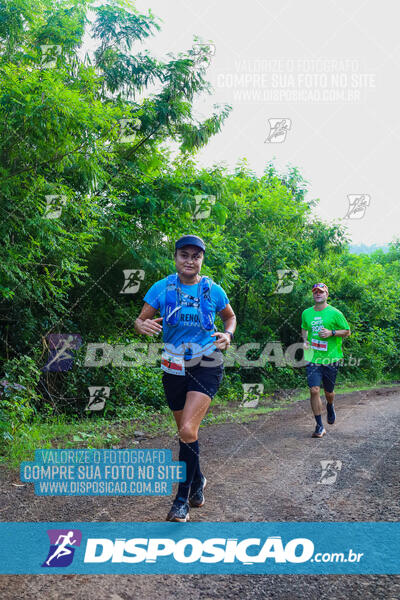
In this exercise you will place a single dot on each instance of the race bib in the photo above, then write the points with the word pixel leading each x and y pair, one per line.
pixel 173 364
pixel 319 345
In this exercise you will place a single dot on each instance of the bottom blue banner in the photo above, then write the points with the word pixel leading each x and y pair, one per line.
pixel 212 548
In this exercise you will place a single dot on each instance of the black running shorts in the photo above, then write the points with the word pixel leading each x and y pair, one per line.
pixel 325 374
pixel 197 378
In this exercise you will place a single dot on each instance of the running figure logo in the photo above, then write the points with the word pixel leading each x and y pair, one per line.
pixel 61 551
pixel 330 471
pixel 203 206
pixel 286 279
pixel 54 206
pixel 60 351
pixel 278 129
pixel 358 204
pixel 251 394
pixel 98 396
pixel 132 281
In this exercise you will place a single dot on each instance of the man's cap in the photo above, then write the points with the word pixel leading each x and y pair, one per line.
pixel 190 240
pixel 320 286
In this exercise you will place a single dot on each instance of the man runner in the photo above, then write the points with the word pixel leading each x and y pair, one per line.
pixel 323 328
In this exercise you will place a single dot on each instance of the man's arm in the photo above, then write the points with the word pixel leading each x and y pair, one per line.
pixel 344 333
pixel 343 329
pixel 304 335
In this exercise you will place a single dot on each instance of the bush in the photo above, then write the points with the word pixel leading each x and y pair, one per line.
pixel 17 394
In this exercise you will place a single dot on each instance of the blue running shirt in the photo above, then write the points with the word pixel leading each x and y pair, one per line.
pixel 188 333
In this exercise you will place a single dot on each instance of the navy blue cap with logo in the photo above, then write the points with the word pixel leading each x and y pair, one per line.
pixel 190 240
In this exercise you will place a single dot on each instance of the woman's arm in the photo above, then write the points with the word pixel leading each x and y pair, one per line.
pixel 144 323
pixel 229 318
pixel 223 339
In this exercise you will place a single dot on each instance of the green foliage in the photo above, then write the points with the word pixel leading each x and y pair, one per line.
pixel 63 137
pixel 17 393
pixel 129 387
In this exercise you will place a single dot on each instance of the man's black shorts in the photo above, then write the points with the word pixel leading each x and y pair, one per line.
pixel 322 373
pixel 197 378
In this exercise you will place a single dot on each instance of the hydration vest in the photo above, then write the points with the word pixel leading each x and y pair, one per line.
pixel 173 302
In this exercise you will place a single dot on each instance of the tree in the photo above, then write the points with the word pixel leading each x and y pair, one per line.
pixel 67 162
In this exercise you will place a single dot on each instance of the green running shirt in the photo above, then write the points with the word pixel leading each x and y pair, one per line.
pixel 323 350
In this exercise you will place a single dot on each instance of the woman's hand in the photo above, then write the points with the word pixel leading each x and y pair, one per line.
pixel 149 326
pixel 223 341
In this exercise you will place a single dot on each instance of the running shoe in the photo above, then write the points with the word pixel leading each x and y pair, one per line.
pixel 330 409
pixel 196 498
pixel 319 431
pixel 179 512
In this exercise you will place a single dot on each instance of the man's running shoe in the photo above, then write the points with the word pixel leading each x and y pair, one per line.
pixel 330 409
pixel 196 498
pixel 179 512
pixel 319 431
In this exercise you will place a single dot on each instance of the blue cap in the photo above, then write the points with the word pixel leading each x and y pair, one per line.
pixel 190 240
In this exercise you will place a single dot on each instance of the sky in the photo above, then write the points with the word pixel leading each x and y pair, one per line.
pixel 312 84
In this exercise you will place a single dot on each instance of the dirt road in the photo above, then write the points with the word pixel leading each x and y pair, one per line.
pixel 265 470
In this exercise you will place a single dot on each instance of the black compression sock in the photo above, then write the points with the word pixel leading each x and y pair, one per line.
pixel 318 418
pixel 198 475
pixel 188 453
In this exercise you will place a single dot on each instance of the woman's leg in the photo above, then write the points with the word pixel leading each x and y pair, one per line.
pixel 198 475
pixel 177 416
pixel 188 422
pixel 195 409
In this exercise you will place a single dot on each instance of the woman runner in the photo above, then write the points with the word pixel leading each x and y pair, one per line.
pixel 192 360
